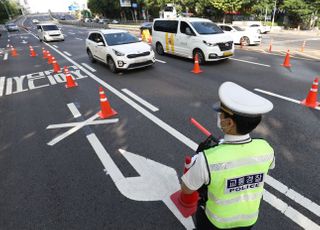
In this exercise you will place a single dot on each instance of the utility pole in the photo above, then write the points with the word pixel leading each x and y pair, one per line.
pixel 274 12
pixel 265 16
pixel 5 7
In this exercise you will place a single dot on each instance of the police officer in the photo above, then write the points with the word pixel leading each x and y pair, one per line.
pixel 230 174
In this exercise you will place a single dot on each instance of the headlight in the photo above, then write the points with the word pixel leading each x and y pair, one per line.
pixel 117 53
pixel 209 44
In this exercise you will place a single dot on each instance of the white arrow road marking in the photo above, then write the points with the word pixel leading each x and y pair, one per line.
pixel 155 183
pixel 73 130
pixel 72 124
pixel 191 144
pixel 24 42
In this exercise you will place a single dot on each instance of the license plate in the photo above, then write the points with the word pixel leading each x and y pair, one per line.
pixel 228 53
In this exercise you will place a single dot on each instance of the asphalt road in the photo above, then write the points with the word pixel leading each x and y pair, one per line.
pixel 64 186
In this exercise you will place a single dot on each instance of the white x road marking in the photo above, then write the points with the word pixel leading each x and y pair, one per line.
pixel 76 125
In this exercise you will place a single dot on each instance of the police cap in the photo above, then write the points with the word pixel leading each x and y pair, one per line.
pixel 235 99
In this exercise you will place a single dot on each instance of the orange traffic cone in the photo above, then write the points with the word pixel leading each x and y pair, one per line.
pixel 56 67
pixel 13 52
pixel 303 45
pixel 186 203
pixel 270 47
pixel 311 100
pixel 106 110
pixel 286 62
pixel 32 52
pixel 49 58
pixel 45 54
pixel 70 82
pixel 196 67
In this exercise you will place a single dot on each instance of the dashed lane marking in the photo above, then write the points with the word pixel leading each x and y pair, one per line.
pixel 282 97
pixel 140 100
pixel 2 80
pixel 287 210
pixel 88 67
pixel 75 112
pixel 254 63
pixel 163 62
pixel 68 54
pixel 175 133
pixel 5 57
pixel 303 201
pixel 79 39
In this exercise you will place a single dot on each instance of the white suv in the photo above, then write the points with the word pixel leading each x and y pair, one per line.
pixel 119 49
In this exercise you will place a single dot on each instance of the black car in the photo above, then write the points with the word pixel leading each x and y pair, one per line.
pixel 146 26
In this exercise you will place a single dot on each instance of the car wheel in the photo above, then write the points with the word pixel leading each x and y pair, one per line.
pixel 91 58
pixel 159 49
pixel 112 65
pixel 245 40
pixel 201 58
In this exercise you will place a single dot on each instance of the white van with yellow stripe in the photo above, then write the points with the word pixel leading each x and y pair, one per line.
pixel 187 37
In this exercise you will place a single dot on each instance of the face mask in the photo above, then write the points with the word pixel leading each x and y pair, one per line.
pixel 219 121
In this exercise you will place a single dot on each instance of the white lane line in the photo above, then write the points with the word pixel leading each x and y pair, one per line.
pixel 72 33
pixel 303 201
pixel 5 57
pixel 8 40
pixel 157 60
pixel 254 63
pixel 71 131
pixel 2 81
pixel 79 39
pixel 283 97
pixel 8 45
pixel 88 67
pixel 287 210
pixel 67 53
pixel 75 112
pixel 72 124
pixel 278 96
pixel 139 99
pixel 55 46
pixel 179 136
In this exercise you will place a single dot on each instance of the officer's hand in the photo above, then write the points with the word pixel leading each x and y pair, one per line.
pixel 210 142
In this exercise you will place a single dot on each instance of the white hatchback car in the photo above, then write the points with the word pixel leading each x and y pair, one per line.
pixel 119 49
pixel 237 33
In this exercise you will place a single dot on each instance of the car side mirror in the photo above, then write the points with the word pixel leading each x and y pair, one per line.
pixel 101 44
pixel 188 32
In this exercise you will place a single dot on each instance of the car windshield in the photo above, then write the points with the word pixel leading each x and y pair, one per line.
pixel 205 27
pixel 50 27
pixel 120 38
pixel 238 28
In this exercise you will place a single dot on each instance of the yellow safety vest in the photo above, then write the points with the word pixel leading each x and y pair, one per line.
pixel 237 174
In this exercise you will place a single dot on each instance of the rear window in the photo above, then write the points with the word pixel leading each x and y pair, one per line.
pixel 50 27
pixel 166 26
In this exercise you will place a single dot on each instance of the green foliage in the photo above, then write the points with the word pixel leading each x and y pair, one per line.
pixel 299 11
pixel 107 8
pixel 12 7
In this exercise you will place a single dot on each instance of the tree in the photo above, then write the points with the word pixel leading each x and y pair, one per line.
pixel 228 5
pixel 299 12
pixel 107 8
